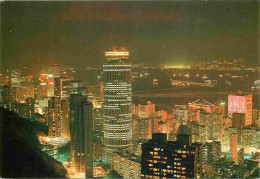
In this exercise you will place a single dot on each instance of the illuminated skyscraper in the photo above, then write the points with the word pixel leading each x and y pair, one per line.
pixel 241 104
pixel 53 118
pixel 81 128
pixel 117 103
pixel 62 87
pixel 58 118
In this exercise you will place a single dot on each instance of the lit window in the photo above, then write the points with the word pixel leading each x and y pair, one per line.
pixel 183 156
pixel 184 152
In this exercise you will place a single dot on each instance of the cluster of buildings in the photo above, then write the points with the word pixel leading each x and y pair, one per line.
pixel 135 140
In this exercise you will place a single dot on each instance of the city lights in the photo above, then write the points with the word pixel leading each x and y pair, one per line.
pixel 168 89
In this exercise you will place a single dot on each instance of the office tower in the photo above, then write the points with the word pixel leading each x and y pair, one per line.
pixel 58 118
pixel 241 104
pixel 98 120
pixel 117 103
pixel 81 130
pixel 126 164
pixel 62 87
pixel 30 108
pixel 238 119
pixel 233 147
pixel 171 159
pixel 240 156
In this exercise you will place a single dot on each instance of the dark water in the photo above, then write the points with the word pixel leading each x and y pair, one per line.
pixel 145 85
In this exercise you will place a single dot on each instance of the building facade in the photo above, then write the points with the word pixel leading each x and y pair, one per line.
pixel 117 104
pixel 81 129
pixel 241 104
pixel 126 164
pixel 168 159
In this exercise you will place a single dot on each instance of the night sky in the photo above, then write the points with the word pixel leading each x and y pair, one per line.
pixel 78 33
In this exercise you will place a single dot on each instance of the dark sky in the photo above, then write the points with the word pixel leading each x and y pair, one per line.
pixel 78 33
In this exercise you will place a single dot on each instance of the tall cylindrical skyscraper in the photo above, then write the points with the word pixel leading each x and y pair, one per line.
pixel 117 103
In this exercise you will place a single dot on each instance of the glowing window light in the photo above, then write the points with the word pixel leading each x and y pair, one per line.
pixel 115 53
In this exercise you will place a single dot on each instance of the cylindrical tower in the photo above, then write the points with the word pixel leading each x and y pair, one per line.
pixel 117 103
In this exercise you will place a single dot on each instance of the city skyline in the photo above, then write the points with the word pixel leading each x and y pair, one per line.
pixel 130 89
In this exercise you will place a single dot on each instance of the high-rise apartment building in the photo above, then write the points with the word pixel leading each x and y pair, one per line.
pixel 127 164
pixel 117 103
pixel 144 110
pixel 58 118
pixel 54 122
pixel 81 130
pixel 171 159
pixel 241 104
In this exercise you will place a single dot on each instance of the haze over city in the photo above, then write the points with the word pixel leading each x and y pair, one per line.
pixel 167 32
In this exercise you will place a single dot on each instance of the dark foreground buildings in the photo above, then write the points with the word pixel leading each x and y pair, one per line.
pixel 171 159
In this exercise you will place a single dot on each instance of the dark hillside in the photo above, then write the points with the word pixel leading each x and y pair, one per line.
pixel 20 155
